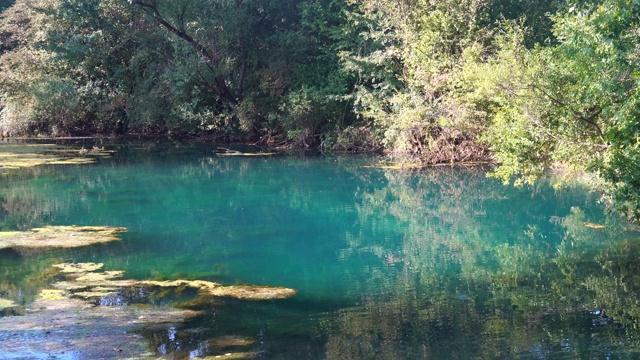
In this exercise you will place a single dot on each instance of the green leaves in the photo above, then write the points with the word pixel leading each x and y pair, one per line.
pixel 575 103
pixel 592 71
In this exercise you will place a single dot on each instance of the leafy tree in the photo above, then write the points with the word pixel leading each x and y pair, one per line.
pixel 574 103
pixel 72 67
pixel 241 57
pixel 408 72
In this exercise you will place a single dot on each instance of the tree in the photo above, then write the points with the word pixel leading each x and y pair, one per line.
pixel 409 66
pixel 242 52
pixel 72 67
pixel 200 18
pixel 577 103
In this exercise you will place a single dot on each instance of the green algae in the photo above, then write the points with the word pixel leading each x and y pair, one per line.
pixel 51 295
pixel 16 156
pixel 4 303
pixel 83 280
pixel 241 292
pixel 59 237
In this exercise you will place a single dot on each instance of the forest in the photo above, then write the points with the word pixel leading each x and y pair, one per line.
pixel 531 86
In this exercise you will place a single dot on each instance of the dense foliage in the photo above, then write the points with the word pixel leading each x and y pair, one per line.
pixel 533 85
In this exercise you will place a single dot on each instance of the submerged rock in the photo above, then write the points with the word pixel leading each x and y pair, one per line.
pixel 78 268
pixel 17 160
pixel 221 151
pixel 60 236
pixel 394 166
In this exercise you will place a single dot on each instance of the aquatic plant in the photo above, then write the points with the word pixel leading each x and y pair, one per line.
pixel 83 280
pixel 4 303
pixel 60 236
pixel 16 156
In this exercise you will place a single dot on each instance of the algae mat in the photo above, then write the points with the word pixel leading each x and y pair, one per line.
pixel 84 280
pixel 16 156
pixel 4 303
pixel 60 236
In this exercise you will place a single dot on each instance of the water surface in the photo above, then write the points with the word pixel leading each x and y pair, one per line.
pixel 436 264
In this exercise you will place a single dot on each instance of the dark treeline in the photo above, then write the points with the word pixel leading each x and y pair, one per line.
pixel 529 84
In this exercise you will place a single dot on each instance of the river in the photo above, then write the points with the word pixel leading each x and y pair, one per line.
pixel 438 263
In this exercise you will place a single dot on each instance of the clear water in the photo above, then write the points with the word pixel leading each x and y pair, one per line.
pixel 436 264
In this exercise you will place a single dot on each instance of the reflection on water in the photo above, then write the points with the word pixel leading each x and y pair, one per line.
pixel 438 264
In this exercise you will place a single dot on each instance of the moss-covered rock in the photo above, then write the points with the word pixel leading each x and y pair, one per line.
pixel 51 295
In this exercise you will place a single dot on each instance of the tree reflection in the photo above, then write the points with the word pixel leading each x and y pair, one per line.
pixel 23 208
pixel 545 286
pixel 450 264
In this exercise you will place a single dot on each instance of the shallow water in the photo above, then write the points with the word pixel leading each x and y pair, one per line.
pixel 436 264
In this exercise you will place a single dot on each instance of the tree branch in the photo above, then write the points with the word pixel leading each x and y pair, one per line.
pixel 580 116
pixel 181 34
pixel 211 60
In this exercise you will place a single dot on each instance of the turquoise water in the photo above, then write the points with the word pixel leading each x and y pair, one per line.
pixel 442 263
